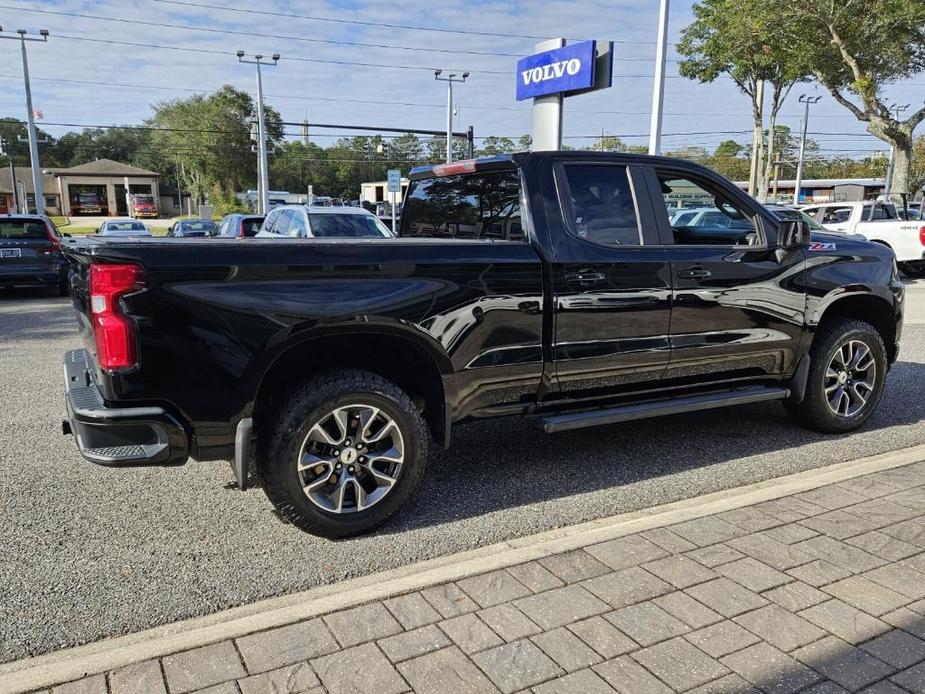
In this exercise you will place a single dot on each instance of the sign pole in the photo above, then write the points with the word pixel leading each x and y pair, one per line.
pixel 547 110
pixel 658 88
pixel 394 192
pixel 392 199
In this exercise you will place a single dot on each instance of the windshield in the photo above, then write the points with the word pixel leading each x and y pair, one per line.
pixel 788 215
pixel 354 226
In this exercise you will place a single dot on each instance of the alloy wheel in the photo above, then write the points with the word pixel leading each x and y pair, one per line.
pixel 850 378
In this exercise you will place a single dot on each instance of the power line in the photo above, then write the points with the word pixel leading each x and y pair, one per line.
pixel 385 25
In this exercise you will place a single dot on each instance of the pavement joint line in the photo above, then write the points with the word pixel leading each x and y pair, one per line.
pixel 108 654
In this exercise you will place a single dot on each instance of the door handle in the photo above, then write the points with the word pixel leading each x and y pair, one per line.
pixel 694 273
pixel 585 276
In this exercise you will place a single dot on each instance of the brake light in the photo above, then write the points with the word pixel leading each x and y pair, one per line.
pixel 922 235
pixel 115 334
pixel 241 233
pixel 52 239
pixel 456 167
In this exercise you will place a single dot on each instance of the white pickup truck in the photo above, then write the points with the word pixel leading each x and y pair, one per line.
pixel 877 222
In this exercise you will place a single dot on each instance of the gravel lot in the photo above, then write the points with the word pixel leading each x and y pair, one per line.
pixel 90 552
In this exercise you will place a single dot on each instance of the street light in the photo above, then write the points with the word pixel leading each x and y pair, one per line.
pixel 658 87
pixel 264 178
pixel 22 37
pixel 804 99
pixel 452 77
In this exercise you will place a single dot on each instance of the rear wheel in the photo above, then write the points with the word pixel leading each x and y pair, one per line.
pixel 847 372
pixel 343 453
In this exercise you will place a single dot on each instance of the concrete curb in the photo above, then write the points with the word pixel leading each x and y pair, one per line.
pixel 101 656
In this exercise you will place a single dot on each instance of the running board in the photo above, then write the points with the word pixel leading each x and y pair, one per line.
pixel 624 413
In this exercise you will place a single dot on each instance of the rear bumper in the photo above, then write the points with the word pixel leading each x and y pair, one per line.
pixel 34 275
pixel 118 436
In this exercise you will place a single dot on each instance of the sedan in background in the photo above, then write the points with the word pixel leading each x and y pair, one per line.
pixel 191 228
pixel 240 226
pixel 122 227
pixel 306 222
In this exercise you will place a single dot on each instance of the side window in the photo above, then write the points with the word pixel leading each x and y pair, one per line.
pixel 281 226
pixel 600 205
pixel 297 226
pixel 269 223
pixel 836 215
pixel 700 214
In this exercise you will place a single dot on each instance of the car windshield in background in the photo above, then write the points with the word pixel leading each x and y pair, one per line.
pixel 125 226
pixel 471 206
pixel 351 226
pixel 22 229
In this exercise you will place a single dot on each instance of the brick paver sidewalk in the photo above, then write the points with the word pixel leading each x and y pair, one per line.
pixel 821 592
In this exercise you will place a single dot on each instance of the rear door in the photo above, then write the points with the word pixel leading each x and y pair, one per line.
pixel 26 248
pixel 738 303
pixel 611 281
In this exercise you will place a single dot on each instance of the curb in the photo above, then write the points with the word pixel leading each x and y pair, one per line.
pixel 73 663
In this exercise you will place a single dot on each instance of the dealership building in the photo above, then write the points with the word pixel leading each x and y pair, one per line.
pixel 104 177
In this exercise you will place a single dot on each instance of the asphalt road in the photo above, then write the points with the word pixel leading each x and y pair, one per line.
pixel 89 552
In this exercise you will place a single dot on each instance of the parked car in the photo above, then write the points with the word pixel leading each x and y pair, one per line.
pixel 304 221
pixel 144 206
pixel 240 225
pixel 880 223
pixel 123 227
pixel 338 361
pixel 30 253
pixel 192 228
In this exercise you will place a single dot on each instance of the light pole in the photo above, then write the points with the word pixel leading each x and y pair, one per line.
pixel 30 118
pixel 807 100
pixel 895 109
pixel 449 107
pixel 658 88
pixel 264 182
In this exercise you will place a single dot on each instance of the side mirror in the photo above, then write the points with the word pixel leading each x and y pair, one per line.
pixel 793 235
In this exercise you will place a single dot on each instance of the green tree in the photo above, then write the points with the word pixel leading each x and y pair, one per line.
pixel 492 145
pixel 854 49
pixel 406 148
pixel 208 138
pixel 15 132
pixel 746 40
pixel 917 166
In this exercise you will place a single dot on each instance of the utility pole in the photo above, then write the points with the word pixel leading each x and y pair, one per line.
pixel 449 107
pixel 658 89
pixel 264 192
pixel 895 109
pixel 777 163
pixel 30 117
pixel 807 100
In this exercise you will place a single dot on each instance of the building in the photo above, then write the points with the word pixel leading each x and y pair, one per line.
pixel 378 191
pixel 104 177
pixel 827 189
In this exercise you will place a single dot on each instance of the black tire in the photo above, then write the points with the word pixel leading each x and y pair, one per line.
pixel 915 270
pixel 814 412
pixel 280 445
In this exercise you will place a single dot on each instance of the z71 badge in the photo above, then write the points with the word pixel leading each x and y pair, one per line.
pixel 822 246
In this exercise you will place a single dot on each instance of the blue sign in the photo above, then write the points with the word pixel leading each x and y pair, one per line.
pixel 394 181
pixel 565 69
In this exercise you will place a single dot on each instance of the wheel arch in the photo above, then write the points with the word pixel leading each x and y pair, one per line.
pixel 867 307
pixel 406 360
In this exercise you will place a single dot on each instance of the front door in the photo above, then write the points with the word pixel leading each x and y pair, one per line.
pixel 738 308
pixel 611 286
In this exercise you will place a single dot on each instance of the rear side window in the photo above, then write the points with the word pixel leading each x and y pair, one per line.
pixel 469 206
pixel 347 226
pixel 251 226
pixel 601 208
pixel 836 215
pixel 23 229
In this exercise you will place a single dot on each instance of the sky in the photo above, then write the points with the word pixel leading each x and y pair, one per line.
pixel 85 74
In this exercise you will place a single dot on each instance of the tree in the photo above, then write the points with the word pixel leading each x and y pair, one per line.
pixel 917 166
pixel 728 148
pixel 854 48
pixel 492 145
pixel 609 143
pixel 208 138
pixel 746 40
pixel 15 132
pixel 406 148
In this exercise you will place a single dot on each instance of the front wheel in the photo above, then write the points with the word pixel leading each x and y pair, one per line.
pixel 848 367
pixel 342 453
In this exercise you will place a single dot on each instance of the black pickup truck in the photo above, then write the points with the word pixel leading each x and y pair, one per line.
pixel 571 288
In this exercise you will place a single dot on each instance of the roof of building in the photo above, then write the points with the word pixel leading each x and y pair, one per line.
pixel 104 167
pixel 24 174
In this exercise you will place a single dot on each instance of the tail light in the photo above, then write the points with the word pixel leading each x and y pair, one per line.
pixel 52 238
pixel 241 233
pixel 115 334
pixel 922 235
pixel 456 167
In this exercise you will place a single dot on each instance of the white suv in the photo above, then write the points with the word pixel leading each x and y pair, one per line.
pixel 303 221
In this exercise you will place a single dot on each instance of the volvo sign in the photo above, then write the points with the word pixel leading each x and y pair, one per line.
pixel 561 70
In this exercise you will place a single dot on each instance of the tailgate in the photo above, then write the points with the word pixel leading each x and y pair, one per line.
pixel 78 270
